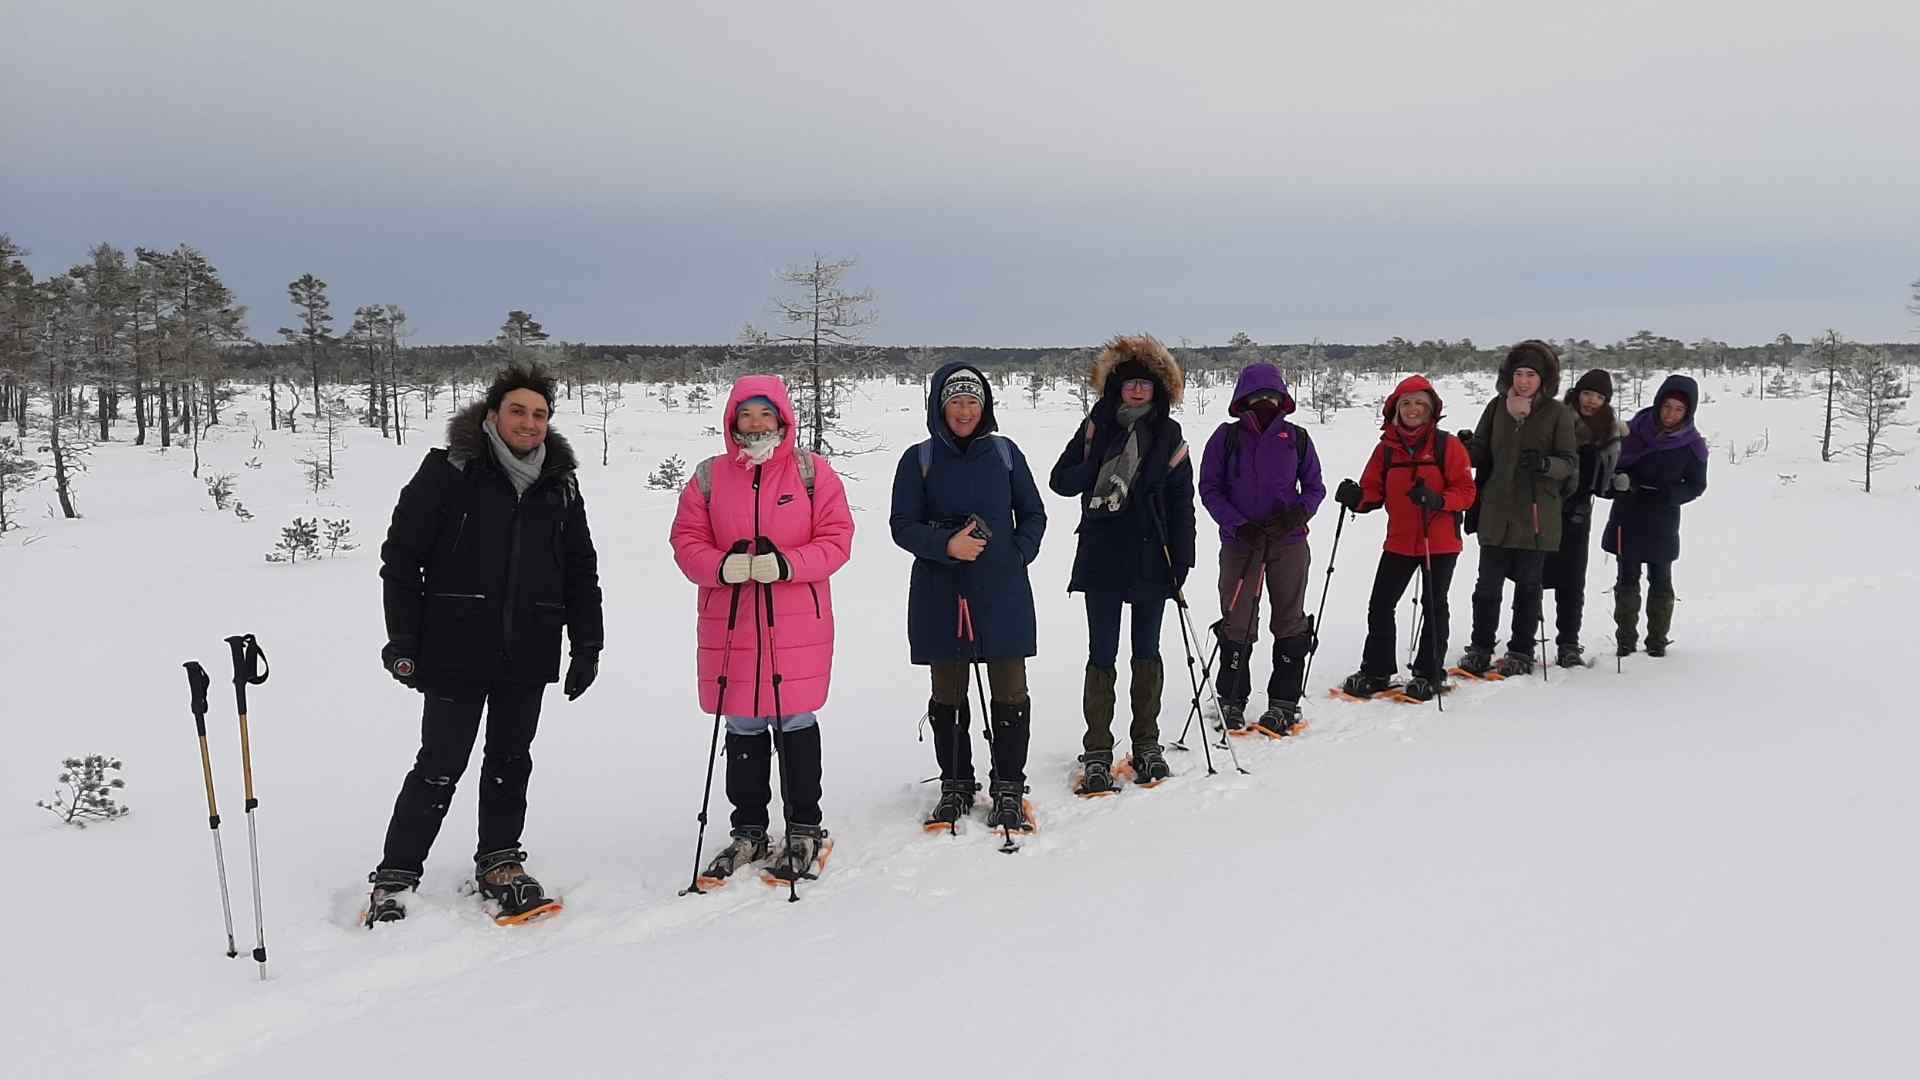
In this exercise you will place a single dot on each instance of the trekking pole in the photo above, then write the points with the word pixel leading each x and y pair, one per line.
pixel 197 682
pixel 1186 640
pixel 713 747
pixel 780 745
pixel 1340 525
pixel 248 669
pixel 1206 673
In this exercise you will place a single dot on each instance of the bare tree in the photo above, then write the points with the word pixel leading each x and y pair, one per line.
pixel 823 322
pixel 606 398
pixel 60 339
pixel 1830 354
pixel 1873 398
pixel 16 471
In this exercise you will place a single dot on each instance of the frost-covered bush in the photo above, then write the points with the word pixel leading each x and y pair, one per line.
pixel 670 476
pixel 300 540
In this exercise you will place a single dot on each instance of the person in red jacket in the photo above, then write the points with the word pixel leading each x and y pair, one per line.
pixel 1424 477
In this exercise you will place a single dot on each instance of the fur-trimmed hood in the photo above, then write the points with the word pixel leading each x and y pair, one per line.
pixel 1145 350
pixel 467 442
pixel 1539 356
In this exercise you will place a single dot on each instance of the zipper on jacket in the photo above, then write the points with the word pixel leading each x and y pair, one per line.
pixel 513 586
pixel 457 534
pixel 458 596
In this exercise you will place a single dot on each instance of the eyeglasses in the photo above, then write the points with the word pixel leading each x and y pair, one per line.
pixel 1138 386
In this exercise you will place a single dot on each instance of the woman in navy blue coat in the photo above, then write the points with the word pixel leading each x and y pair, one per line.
pixel 965 504
pixel 1663 466
pixel 1129 470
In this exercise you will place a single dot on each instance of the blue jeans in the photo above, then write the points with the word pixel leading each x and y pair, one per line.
pixel 754 725
pixel 1103 628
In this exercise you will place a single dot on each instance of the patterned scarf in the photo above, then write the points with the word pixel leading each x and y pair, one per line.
pixel 756 448
pixel 1113 484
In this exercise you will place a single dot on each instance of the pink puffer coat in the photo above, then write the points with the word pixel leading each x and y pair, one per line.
pixel 815 535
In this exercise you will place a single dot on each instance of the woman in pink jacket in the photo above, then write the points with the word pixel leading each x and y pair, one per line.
pixel 760 528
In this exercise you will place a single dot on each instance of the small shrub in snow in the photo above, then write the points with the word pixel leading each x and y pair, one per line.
pixel 699 398
pixel 319 473
pixel 87 793
pixel 338 536
pixel 220 488
pixel 300 540
pixel 670 476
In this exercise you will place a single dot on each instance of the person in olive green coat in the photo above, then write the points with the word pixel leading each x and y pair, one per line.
pixel 1526 456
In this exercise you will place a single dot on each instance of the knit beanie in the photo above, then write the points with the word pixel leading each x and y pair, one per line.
pixel 1598 380
pixel 963 383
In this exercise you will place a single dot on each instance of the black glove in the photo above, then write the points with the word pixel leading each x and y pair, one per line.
pixel 581 672
pixel 1465 435
pixel 1348 494
pixel 1426 498
pixel 1533 462
pixel 1248 532
pixel 1282 524
pixel 397 658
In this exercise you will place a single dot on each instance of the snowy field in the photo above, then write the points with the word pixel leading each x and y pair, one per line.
pixel 1701 867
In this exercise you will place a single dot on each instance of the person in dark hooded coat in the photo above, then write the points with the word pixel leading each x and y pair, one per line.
pixel 1129 469
pixel 488 556
pixel 966 506
pixel 1599 435
pixel 1260 481
pixel 1525 454
pixel 1663 467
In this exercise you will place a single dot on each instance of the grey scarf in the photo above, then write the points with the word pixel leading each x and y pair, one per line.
pixel 521 471
pixel 1113 484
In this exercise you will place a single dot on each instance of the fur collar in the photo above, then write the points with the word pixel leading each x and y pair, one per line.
pixel 467 442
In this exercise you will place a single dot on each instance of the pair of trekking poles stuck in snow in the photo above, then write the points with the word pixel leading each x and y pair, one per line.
pixel 250 668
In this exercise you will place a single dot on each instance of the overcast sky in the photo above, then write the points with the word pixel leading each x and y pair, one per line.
pixel 1023 172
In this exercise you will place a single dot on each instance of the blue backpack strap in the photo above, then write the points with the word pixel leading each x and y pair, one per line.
pixel 925 450
pixel 1006 451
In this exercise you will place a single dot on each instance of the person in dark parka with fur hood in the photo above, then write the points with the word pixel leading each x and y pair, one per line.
pixel 1129 469
pixel 487 558
pixel 1525 455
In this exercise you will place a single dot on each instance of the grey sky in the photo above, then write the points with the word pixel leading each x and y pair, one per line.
pixel 1030 172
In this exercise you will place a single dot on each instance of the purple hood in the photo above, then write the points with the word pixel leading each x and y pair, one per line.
pixel 1255 378
pixel 1272 469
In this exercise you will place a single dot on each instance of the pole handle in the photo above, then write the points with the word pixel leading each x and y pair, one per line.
pixel 197 683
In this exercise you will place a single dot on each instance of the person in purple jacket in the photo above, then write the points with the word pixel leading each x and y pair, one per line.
pixel 1260 480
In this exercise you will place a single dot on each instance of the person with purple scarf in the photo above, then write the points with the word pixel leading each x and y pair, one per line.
pixel 1663 466
pixel 1260 481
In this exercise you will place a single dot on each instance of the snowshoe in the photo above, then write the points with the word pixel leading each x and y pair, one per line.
pixel 747 846
pixel 1421 688
pixel 1096 777
pixel 1571 656
pixel 1476 663
pixel 803 856
pixel 1233 716
pixel 517 896
pixel 1149 765
pixel 1514 664
pixel 1010 808
pixel 1281 719
pixel 387 902
pixel 954 807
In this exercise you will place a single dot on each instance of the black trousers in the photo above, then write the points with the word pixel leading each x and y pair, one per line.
pixel 1497 564
pixel 1380 657
pixel 1568 570
pixel 448 727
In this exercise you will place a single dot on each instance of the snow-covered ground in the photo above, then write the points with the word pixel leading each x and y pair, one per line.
pixel 1703 866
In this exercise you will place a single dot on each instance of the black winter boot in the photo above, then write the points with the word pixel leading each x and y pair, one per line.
pixel 1234 684
pixel 1009 806
pixel 1659 618
pixel 744 847
pixel 1626 618
pixel 1145 692
pixel 952 743
pixel 1096 773
pixel 1012 727
pixel 1363 684
pixel 956 802
pixel 1289 669
pixel 749 783
pixel 801 773
pixel 1149 764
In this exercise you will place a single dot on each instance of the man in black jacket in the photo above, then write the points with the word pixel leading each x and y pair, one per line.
pixel 488 555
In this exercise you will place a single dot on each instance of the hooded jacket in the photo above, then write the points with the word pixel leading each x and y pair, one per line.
pixel 814 534
pixel 1396 464
pixel 478 580
pixel 1520 509
pixel 1667 472
pixel 1124 552
pixel 961 479
pixel 1269 470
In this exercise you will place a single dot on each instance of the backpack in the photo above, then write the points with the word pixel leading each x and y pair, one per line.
pixel 1233 443
pixel 925 452
pixel 1463 521
pixel 703 474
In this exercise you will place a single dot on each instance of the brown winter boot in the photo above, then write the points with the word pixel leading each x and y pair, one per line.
pixel 1096 702
pixel 1149 679
pixel 1659 618
pixel 1626 618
